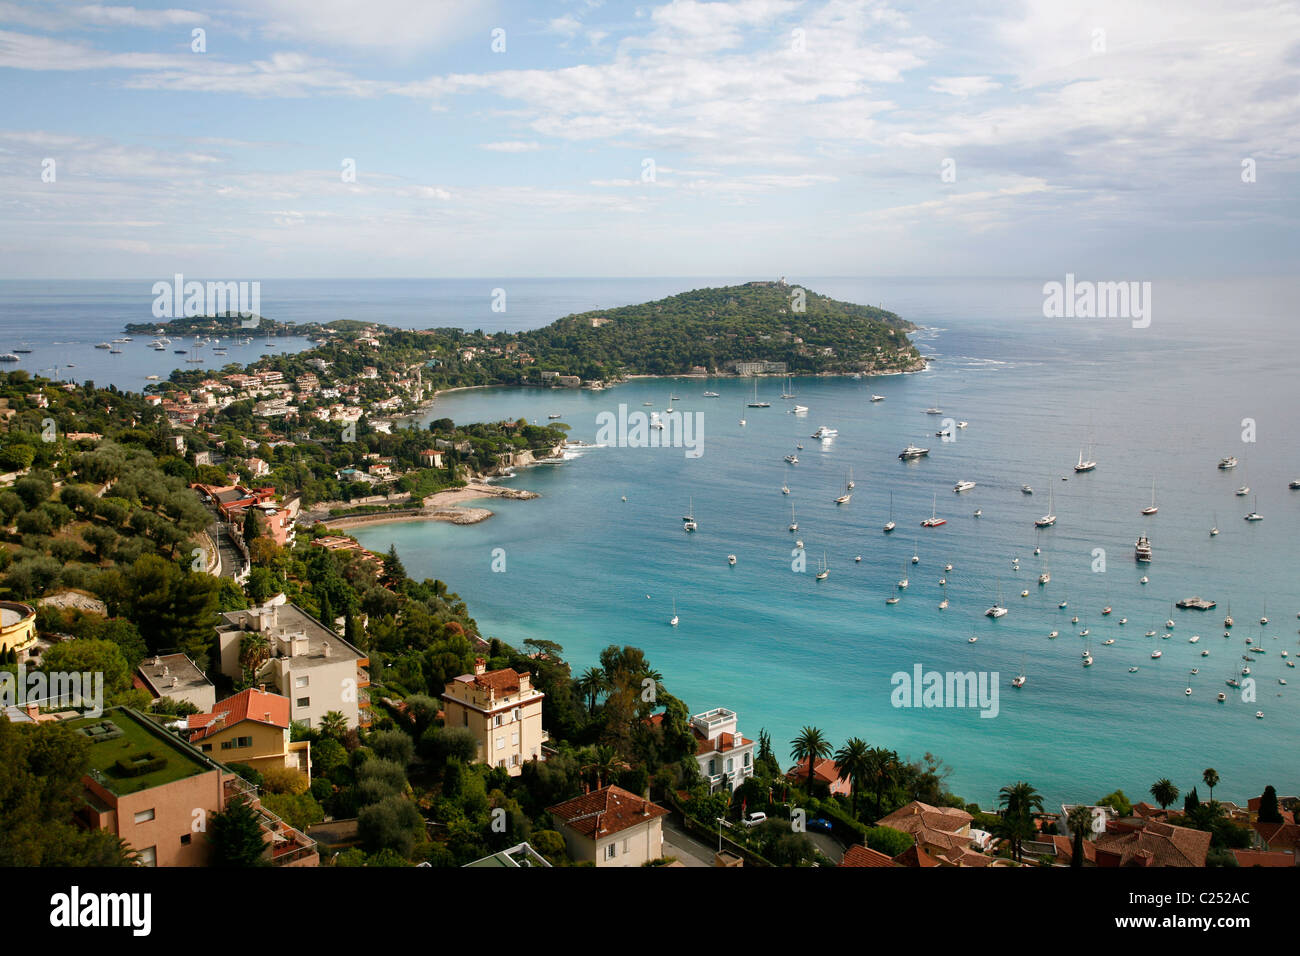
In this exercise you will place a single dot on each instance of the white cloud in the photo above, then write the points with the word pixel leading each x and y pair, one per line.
pixel 512 146
pixel 964 85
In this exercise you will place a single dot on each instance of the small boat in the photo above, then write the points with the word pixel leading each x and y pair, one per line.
pixel 1132 670
pixel 948 567
pixel 1025 489
pixel 1108 641
pixel 963 424
pixel 912 452
pixel 794 525
pixel 1259 715
pixel 850 484
pixel 877 398
pixel 103 345
pixel 978 512
pixel 1143 580
pixel 891 600
pixel 792 459
pixel 889 525
pixel 151 378
pixel 1229 462
pixel 1254 513
pixel 710 394
pixel 903 582
pixel 1018 680
pixel 1105 610
pixel 9 357
pixel 934 411
pixel 114 351
pixel 1054 634
pixel 688 519
pixel 785 489
pixel 943 605
pixel 823 432
pixel 997 610
pixel 1044 577
pixel 1075 619
pixel 1087 659
pixel 963 486
pixel 23 351
pixel 552 416
pixel 1243 491
pixel 1193 639
pixel 731 559
pixel 798 409
pixel 858 559
pixel 823 569
pixel 934 521
pixel 1063 605
pixel 1155 655
pixel 1049 519
pixel 799 543
pixel 1024 594
pixel 1151 508
pixel 848 493
pixel 1295 484
pixel 1188 692
pixel 674 620
pixel 1222 697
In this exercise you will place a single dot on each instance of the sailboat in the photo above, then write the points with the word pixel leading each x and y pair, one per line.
pixel 756 403
pixel 1049 519
pixel 916 556
pixel 688 519
pixel 1082 465
pixel 943 605
pixel 889 525
pixel 794 525
pixel 742 416
pixel 674 620
pixel 850 484
pixel 1214 529
pixel 902 581
pixel 848 493
pixel 1254 512
pixel 789 390
pixel 997 610
pixel 785 489
pixel 824 568
pixel 1151 509
pixel 933 521
pixel 1045 576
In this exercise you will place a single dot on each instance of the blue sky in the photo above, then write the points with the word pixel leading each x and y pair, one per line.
pixel 805 137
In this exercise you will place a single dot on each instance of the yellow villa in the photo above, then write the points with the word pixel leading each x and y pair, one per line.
pixel 17 626
pixel 504 712
pixel 251 728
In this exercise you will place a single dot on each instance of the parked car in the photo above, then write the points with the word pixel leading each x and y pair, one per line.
pixel 820 824
pixel 755 818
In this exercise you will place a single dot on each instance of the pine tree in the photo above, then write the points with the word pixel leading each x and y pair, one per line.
pixel 394 573
pixel 1268 811
pixel 236 837
pixel 251 530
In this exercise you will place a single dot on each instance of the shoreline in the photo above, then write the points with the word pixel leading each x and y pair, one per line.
pixel 445 505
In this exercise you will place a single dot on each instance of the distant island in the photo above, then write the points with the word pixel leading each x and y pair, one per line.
pixel 759 328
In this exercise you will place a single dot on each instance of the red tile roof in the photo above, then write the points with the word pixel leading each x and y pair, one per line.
pixel 1264 858
pixel 1279 836
pixel 252 704
pixel 1158 844
pixel 865 856
pixel 914 856
pixel 602 812
pixel 825 771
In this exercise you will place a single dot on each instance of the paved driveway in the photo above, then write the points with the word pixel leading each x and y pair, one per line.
pixel 687 849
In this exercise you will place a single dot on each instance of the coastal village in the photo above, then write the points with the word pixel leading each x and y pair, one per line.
pixel 320 707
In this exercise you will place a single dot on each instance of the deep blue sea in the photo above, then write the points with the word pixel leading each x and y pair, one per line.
pixel 587 569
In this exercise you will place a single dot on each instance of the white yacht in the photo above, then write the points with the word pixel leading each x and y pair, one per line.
pixel 889 525
pixel 1151 508
pixel 824 569
pixel 792 459
pixel 688 519
pixel 825 432
pixel 1254 514
pixel 997 610
pixel 963 486
pixel 1229 462
pixel 1049 519
pixel 877 398
pixel 1142 550
pixel 912 451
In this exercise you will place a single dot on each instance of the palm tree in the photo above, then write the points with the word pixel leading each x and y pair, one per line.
pixel 333 724
pixel 1165 792
pixel 1211 778
pixel 1018 803
pixel 855 763
pixel 810 745
pixel 254 651
pixel 590 685
pixel 1079 820
pixel 882 765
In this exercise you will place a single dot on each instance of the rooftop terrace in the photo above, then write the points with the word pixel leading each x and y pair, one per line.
pixel 123 743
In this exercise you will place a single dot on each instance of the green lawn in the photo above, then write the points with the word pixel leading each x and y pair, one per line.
pixel 135 741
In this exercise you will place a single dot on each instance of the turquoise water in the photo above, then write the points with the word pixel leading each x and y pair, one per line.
pixel 785 650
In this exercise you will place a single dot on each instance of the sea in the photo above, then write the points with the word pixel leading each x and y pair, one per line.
pixel 601 556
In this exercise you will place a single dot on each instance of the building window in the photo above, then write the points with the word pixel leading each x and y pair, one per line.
pixel 144 816
pixel 227 745
pixel 301 681
pixel 518 713
pixel 149 856
pixel 501 743
pixel 747 756
pixel 248 742
pixel 207 748
pixel 514 739
pixel 497 721
pixel 185 839
pixel 713 768
pixel 465 717
pixel 304 701
pixel 730 764
pixel 610 851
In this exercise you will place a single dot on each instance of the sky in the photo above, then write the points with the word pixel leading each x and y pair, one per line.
pixel 398 138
